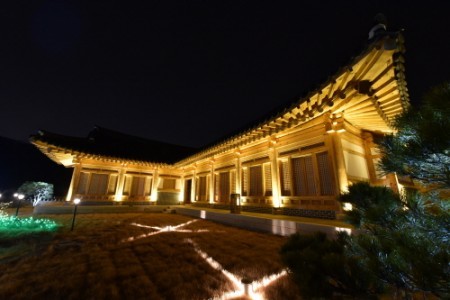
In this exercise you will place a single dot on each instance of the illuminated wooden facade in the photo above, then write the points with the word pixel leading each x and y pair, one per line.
pixel 296 162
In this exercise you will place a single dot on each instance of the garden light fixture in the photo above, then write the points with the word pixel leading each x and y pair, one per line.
pixel 19 197
pixel 76 201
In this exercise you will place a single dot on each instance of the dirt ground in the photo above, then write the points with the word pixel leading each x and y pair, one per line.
pixel 137 256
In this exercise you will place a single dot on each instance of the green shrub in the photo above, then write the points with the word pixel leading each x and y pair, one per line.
pixel 12 226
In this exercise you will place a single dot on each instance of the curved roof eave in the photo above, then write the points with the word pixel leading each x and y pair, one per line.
pixel 317 103
pixel 68 157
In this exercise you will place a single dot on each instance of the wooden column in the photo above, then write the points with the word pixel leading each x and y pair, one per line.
pixel 194 186
pixel 74 181
pixel 120 183
pixel 211 183
pixel 338 154
pixel 154 193
pixel 238 186
pixel 182 187
pixel 368 144
pixel 274 168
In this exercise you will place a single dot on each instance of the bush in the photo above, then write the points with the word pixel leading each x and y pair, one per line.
pixel 14 227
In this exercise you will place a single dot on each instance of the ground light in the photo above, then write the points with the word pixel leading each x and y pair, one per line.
pixel 76 201
pixel 244 286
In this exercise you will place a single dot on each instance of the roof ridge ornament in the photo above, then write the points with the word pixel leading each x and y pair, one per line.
pixel 380 26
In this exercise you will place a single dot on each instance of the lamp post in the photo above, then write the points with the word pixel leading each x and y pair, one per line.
pixel 75 201
pixel 19 197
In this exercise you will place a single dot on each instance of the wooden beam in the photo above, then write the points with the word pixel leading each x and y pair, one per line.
pixel 388 92
pixel 382 73
pixel 385 84
pixel 367 64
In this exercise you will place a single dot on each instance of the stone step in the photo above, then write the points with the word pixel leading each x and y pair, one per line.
pixel 169 210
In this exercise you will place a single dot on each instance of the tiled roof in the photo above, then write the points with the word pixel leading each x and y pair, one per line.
pixel 106 142
pixel 373 80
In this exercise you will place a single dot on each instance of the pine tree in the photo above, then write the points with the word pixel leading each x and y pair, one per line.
pixel 321 269
pixel 421 147
pixel 402 241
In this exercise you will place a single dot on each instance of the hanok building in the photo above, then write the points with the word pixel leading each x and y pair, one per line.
pixel 297 162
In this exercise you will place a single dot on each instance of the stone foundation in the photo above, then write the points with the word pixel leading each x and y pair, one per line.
pixel 288 211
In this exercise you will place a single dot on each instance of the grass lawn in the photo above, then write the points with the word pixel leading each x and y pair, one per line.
pixel 134 256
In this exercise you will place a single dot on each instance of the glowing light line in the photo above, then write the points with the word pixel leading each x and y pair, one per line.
pixel 256 290
pixel 257 287
pixel 162 230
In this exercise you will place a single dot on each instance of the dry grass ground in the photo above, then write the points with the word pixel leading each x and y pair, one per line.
pixel 108 257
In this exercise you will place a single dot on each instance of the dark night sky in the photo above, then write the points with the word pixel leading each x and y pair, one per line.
pixel 191 72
